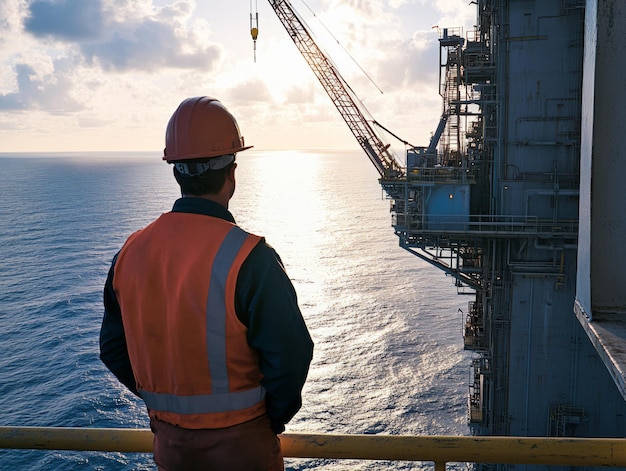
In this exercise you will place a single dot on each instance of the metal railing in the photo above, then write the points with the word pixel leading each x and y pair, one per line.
pixel 610 452
pixel 493 225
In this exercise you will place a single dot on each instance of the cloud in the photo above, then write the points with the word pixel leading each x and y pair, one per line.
pixel 364 8
pixel 69 20
pixel 300 95
pixel 89 122
pixel 408 62
pixel 253 91
pixel 54 46
pixel 50 92
pixel 149 45
pixel 9 20
pixel 119 35
pixel 11 102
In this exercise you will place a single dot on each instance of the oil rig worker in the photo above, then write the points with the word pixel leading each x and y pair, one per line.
pixel 201 321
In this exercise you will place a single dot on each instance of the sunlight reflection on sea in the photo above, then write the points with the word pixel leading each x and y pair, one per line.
pixel 388 347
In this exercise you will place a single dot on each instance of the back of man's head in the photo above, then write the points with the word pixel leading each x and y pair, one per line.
pixel 201 140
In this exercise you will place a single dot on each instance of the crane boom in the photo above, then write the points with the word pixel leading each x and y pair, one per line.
pixel 338 90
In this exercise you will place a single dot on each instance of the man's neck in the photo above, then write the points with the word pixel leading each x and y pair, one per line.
pixel 216 198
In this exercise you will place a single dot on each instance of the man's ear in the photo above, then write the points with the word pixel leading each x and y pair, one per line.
pixel 231 171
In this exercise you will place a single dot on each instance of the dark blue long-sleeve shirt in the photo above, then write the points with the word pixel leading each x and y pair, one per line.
pixel 265 302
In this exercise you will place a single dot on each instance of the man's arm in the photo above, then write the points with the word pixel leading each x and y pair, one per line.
pixel 266 303
pixel 113 350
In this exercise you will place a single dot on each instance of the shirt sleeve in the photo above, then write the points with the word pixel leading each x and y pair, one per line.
pixel 267 304
pixel 113 349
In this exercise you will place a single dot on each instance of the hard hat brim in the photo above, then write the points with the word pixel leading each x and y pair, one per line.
pixel 203 155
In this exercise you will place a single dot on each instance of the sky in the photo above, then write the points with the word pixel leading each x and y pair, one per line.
pixel 106 75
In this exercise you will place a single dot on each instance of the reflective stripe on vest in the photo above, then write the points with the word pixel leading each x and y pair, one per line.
pixel 220 399
pixel 203 404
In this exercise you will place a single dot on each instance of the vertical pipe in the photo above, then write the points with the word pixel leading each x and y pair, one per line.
pixel 529 353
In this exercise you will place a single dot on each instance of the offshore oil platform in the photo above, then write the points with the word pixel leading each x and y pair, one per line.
pixel 502 200
pixel 517 197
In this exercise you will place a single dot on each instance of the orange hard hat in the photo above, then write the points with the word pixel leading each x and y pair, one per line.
pixel 201 127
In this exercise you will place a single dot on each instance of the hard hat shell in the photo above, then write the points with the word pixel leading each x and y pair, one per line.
pixel 201 127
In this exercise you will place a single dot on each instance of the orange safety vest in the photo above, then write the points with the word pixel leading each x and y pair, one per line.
pixel 175 283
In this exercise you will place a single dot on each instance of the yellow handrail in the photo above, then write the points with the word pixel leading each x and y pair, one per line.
pixel 438 449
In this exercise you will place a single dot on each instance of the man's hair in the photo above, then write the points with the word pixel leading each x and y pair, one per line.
pixel 209 182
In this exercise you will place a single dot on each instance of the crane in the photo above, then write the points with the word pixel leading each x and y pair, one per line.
pixel 339 91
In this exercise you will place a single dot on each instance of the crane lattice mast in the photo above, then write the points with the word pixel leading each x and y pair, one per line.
pixel 377 151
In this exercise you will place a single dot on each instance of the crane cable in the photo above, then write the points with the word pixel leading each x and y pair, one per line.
pixel 388 156
pixel 344 49
pixel 363 108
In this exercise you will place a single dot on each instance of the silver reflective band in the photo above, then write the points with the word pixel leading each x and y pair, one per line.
pixel 203 404
pixel 197 168
pixel 216 308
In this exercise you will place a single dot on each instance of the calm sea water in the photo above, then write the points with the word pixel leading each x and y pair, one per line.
pixel 389 356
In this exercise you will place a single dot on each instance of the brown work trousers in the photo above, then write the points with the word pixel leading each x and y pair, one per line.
pixel 251 446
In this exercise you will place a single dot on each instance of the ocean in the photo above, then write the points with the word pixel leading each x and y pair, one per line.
pixel 387 328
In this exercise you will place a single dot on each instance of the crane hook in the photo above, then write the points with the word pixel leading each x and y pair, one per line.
pixel 254 26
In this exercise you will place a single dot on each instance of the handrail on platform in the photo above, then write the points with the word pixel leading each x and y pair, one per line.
pixel 609 452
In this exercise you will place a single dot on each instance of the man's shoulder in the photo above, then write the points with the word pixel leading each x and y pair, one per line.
pixel 263 260
pixel 263 251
